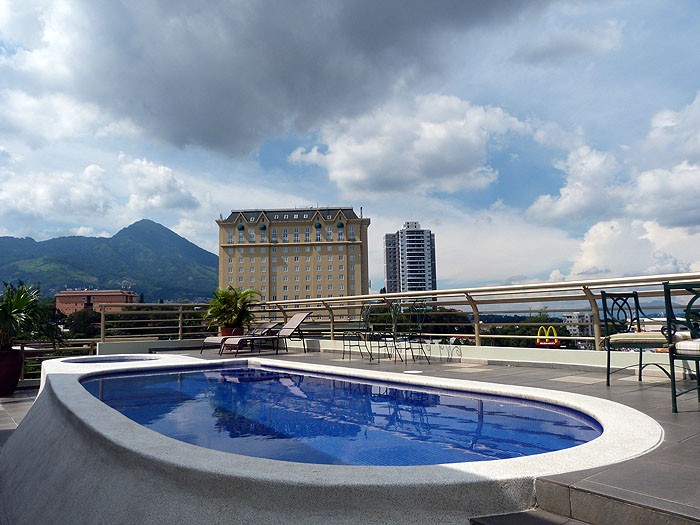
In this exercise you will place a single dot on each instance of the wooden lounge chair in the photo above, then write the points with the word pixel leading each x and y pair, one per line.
pixel 291 329
pixel 261 329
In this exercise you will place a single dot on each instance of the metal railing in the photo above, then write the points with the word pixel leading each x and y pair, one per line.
pixel 34 353
pixel 468 309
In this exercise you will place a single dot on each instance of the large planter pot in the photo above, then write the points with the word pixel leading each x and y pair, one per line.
pixel 11 363
pixel 228 331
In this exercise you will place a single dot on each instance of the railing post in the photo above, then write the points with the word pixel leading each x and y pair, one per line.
pixel 596 316
pixel 102 323
pixel 284 312
pixel 179 324
pixel 475 312
pixel 331 318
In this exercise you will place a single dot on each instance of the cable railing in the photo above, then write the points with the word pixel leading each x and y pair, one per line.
pixel 474 315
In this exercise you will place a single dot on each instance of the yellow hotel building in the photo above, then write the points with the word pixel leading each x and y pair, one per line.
pixel 300 253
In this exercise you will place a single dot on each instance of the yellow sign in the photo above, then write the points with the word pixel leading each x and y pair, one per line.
pixel 549 340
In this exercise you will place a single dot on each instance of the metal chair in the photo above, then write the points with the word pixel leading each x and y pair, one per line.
pixel 357 337
pixel 411 336
pixel 679 347
pixel 623 316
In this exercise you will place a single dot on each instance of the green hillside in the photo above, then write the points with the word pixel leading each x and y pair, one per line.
pixel 146 256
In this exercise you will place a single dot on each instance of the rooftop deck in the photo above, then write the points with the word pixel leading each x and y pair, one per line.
pixel 659 487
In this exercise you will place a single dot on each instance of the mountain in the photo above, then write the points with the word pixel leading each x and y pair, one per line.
pixel 146 256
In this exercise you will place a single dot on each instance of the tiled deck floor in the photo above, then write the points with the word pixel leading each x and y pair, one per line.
pixel 660 487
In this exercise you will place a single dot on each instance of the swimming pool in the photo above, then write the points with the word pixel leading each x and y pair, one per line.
pixel 75 457
pixel 293 416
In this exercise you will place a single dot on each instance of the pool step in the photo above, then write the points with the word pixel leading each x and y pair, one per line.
pixel 568 501
pixel 530 517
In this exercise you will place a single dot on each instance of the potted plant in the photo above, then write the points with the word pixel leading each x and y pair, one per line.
pixel 231 309
pixel 19 312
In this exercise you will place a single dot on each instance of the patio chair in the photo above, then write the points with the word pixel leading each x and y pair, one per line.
pixel 623 317
pixel 368 332
pixel 357 336
pixel 261 329
pixel 290 330
pixel 410 335
pixel 682 348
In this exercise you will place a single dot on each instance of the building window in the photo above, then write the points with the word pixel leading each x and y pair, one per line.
pixel 230 269
pixel 329 233
pixel 351 233
pixel 252 279
pixel 273 236
pixel 340 234
pixel 330 267
pixel 296 234
pixel 240 236
pixel 263 268
pixel 285 288
pixel 318 234
pixel 240 279
pixel 240 269
pixel 341 277
pixel 263 278
pixel 285 235
pixel 230 236
pixel 307 234
pixel 262 236
pixel 230 279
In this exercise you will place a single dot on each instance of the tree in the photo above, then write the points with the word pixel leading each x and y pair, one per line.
pixel 84 324
pixel 19 313
pixel 231 308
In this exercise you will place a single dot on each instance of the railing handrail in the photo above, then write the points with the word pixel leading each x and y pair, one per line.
pixel 474 297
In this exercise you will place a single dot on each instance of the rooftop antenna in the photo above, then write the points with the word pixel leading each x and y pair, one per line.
pixel 360 212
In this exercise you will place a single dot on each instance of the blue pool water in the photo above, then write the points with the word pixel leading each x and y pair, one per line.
pixel 293 416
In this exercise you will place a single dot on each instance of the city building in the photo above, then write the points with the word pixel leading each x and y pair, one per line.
pixel 300 253
pixel 71 301
pixel 409 259
pixel 579 324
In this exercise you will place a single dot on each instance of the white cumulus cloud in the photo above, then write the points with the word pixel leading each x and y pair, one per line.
pixel 433 143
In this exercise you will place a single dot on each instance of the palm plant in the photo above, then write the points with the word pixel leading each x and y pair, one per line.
pixel 18 312
pixel 231 308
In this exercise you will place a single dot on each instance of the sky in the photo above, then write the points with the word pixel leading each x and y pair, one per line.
pixel 538 140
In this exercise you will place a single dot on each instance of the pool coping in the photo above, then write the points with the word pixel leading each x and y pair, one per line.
pixel 449 490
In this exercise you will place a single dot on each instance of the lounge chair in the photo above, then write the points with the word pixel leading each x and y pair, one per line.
pixel 289 330
pixel 261 329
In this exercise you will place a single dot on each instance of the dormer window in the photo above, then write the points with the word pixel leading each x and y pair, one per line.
pixel 296 215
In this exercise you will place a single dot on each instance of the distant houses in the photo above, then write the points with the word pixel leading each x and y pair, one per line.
pixel 71 301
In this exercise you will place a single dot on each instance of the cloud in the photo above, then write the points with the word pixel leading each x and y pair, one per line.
pixel 225 75
pixel 673 136
pixel 632 247
pixel 670 196
pixel 45 118
pixel 433 143
pixel 153 186
pixel 588 190
pixel 55 194
pixel 560 46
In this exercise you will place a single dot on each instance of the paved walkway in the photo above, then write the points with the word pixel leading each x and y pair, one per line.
pixel 660 487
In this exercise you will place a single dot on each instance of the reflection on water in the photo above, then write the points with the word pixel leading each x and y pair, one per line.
pixel 309 418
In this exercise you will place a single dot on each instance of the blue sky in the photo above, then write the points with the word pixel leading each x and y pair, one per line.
pixel 538 140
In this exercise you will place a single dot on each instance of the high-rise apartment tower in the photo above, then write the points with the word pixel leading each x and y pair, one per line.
pixel 300 253
pixel 409 259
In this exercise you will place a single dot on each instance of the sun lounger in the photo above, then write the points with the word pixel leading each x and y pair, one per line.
pixel 290 330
